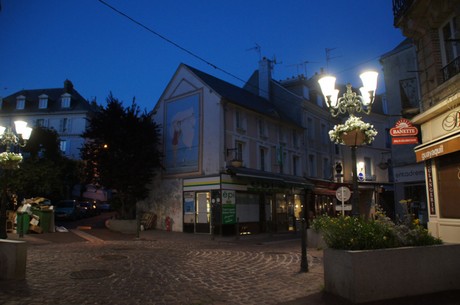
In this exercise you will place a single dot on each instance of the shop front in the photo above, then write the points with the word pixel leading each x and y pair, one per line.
pixel 243 201
pixel 442 170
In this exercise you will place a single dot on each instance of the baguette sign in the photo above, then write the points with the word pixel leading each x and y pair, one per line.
pixel 404 133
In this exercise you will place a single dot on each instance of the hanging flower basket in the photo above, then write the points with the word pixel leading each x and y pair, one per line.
pixel 353 138
pixel 353 132
pixel 9 160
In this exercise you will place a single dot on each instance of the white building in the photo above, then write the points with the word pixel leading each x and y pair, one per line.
pixel 62 109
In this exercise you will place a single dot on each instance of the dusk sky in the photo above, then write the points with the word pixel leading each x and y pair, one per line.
pixel 44 42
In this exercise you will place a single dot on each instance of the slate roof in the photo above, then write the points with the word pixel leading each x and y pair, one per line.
pixel 242 97
pixel 77 102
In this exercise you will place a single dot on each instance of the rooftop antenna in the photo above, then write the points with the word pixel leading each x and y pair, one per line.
pixel 328 57
pixel 302 65
pixel 257 48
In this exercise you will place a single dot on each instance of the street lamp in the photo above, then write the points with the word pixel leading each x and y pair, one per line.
pixel 8 138
pixel 350 103
pixel 10 161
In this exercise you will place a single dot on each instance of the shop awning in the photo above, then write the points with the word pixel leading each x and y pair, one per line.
pixel 437 148
pixel 258 174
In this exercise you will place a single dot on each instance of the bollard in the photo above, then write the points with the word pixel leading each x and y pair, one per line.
pixel 138 223
pixel 19 224
pixel 237 228
pixel 304 260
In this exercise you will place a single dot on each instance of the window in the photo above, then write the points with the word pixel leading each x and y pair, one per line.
pixel 311 165
pixel 262 128
pixel 326 169
pixel 324 134
pixel 40 123
pixel 63 146
pixel 319 100
pixel 310 130
pixel 65 100
pixel 240 121
pixel 450 47
pixel 43 101
pixel 239 150
pixel 263 158
pixel 296 165
pixel 295 139
pixel 247 207
pixel 63 125
pixel 282 138
pixel 368 168
pixel 20 102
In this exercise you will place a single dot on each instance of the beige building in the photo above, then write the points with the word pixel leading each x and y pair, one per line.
pixel 434 27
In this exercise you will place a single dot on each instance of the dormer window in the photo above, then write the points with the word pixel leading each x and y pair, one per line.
pixel 65 100
pixel 43 101
pixel 20 102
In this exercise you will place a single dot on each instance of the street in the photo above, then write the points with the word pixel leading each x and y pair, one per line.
pixel 97 266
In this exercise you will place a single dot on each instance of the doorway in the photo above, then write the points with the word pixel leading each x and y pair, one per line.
pixel 203 212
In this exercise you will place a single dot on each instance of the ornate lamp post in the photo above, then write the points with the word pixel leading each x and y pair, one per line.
pixel 351 103
pixel 10 161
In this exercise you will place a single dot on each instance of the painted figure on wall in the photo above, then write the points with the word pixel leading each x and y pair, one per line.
pixel 182 142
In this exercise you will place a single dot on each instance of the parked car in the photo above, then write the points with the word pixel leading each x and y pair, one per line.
pixel 103 206
pixel 89 208
pixel 67 209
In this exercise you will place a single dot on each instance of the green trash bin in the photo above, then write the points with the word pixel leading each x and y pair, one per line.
pixel 22 226
pixel 45 221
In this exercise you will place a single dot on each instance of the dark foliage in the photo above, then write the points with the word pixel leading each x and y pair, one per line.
pixel 121 152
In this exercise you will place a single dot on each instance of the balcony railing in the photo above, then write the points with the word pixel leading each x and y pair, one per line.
pixel 452 69
pixel 400 7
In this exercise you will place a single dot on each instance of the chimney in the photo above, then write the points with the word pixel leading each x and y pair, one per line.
pixel 265 77
pixel 68 86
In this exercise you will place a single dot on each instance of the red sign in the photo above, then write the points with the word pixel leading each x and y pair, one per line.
pixel 404 140
pixel 403 128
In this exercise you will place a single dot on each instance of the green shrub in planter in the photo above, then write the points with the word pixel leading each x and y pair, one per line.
pixel 357 233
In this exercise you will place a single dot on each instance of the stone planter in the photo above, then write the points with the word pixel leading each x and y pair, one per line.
pixel 128 226
pixel 372 275
pixel 13 259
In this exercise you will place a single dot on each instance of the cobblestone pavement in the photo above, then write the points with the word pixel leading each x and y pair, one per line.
pixel 94 267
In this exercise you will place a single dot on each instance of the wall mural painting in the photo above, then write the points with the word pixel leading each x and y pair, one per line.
pixel 182 135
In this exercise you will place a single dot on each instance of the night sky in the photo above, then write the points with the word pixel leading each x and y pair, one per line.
pixel 100 50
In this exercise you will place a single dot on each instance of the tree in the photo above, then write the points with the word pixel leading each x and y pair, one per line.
pixel 45 172
pixel 121 153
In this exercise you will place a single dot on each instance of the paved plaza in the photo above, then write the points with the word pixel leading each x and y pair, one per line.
pixel 100 267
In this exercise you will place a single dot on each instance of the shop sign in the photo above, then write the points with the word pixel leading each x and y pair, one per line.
pixel 404 133
pixel 228 207
pixel 430 186
pixel 437 150
pixel 409 173
pixel 451 121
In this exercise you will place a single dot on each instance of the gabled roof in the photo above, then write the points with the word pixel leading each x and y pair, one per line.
pixel 77 102
pixel 242 97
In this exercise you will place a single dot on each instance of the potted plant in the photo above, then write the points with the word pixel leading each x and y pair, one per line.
pixel 353 132
pixel 376 259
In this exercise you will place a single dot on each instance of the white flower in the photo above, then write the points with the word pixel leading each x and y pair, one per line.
pixel 353 123
pixel 10 159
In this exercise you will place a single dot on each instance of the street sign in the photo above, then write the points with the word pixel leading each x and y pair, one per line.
pixel 346 207
pixel 343 193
